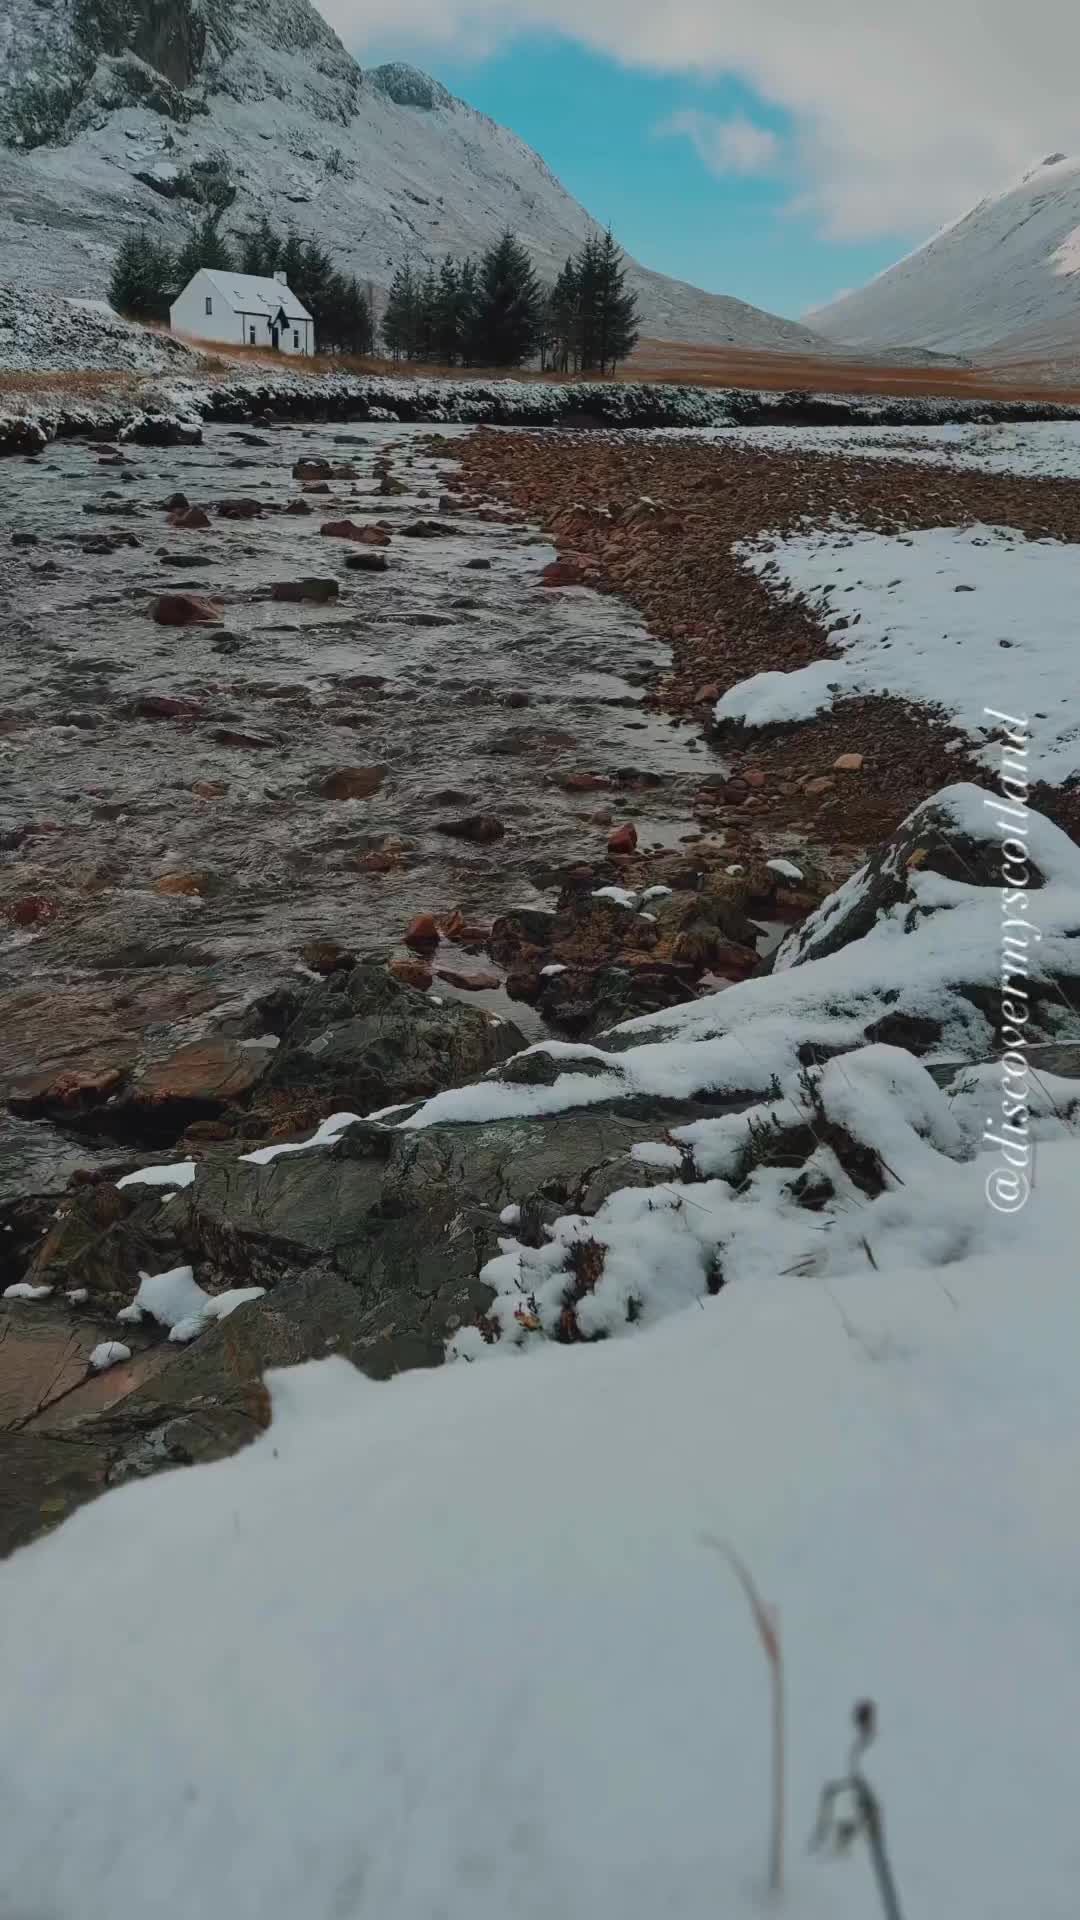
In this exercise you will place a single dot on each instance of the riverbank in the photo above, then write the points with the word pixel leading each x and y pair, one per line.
pixel 164 411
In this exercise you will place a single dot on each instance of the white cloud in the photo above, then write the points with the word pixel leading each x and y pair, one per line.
pixel 734 145
pixel 902 115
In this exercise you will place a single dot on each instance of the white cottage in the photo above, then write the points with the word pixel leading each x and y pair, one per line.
pixel 243 310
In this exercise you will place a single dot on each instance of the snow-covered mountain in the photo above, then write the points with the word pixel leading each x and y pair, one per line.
pixel 106 106
pixel 1005 276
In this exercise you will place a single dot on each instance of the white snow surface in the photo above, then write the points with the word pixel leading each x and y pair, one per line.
pixel 176 1301
pixel 179 1173
pixel 24 1290
pixel 958 618
pixel 383 1665
pixel 1039 450
pixel 109 1353
pixel 1001 278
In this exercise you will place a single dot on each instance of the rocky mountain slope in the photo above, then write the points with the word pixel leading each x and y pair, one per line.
pixel 117 112
pixel 1003 278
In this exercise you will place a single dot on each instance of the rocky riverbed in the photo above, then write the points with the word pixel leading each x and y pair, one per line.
pixel 327 785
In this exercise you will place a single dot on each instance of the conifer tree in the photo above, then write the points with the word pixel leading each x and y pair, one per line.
pixel 562 318
pixel 399 319
pixel 259 249
pixel 448 314
pixel 144 278
pixel 614 322
pixel 205 246
pixel 509 304
pixel 468 307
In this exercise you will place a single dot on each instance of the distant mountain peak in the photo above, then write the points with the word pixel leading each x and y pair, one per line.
pixel 1000 281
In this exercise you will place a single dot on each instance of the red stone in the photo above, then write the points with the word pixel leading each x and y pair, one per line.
pixel 189 517
pixel 623 840
pixel 352 783
pixel 422 932
pixel 348 530
pixel 468 982
pixel 185 610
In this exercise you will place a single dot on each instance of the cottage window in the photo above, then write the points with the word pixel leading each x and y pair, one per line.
pixel 209 304
pixel 296 339
pixel 251 335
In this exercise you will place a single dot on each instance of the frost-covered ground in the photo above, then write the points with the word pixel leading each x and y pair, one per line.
pixel 958 618
pixel 1040 450
pixel 43 333
pixel 455 1645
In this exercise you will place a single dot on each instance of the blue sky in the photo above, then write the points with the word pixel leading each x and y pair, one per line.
pixel 594 123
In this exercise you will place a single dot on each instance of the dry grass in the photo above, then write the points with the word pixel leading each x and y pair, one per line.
pixel 665 362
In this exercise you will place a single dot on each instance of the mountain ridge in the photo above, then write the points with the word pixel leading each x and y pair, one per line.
pixel 999 281
pixel 103 117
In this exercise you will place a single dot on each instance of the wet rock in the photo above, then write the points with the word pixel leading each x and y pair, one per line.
pixel 244 737
pixel 324 470
pixel 430 530
pixel 189 517
pixel 317 486
pixel 568 572
pixel 351 783
pixel 190 884
pixel 412 973
pixel 350 530
pixel 163 430
pixel 327 956
pixel 481 828
pixel 366 562
pixel 185 610
pixel 422 932
pixel 297 507
pixel 369 1040
pixel 468 982
pixel 164 706
pixel 478 564
pixel 24 540
pixel 241 509
pixel 310 588
pixel 623 840
pixel 582 782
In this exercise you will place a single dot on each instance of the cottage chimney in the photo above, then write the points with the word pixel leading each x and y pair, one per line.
pixel 280 274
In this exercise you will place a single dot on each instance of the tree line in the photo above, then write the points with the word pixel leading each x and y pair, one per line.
pixel 493 311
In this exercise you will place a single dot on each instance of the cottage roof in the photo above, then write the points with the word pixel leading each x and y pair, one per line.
pixel 256 293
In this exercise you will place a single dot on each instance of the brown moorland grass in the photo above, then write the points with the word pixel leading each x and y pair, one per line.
pixel 665 362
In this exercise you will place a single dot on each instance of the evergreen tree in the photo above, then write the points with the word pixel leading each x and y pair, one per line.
pixel 205 246
pixel 509 304
pixel 346 320
pixel 399 326
pixel 468 309
pixel 259 249
pixel 447 330
pixel 615 315
pixel 291 262
pixel 562 319
pixel 313 285
pixel 427 318
pixel 144 278
pixel 587 278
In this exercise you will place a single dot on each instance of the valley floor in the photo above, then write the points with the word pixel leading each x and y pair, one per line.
pixel 541 907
